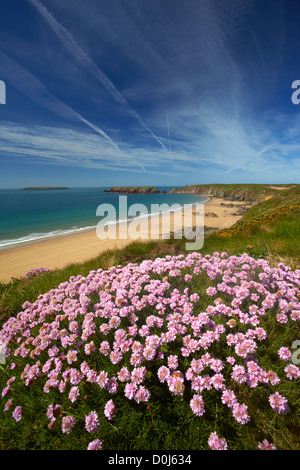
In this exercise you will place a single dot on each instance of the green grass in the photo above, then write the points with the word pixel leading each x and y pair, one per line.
pixel 249 192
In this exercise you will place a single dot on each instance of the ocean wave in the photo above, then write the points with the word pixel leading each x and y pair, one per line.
pixel 42 236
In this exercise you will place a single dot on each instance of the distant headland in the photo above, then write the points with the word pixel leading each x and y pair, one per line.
pixel 45 187
pixel 133 190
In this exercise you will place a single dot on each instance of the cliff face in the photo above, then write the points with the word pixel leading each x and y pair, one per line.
pixel 133 190
pixel 242 192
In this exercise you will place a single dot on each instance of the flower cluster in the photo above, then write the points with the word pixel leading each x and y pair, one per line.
pixel 149 324
pixel 36 272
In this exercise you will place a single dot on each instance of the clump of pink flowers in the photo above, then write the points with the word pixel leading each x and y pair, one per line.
pixel 148 329
pixel 36 272
pixel 217 443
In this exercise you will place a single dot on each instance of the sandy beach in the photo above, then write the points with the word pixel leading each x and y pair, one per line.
pixel 15 262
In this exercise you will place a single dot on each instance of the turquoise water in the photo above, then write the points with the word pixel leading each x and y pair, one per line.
pixel 26 216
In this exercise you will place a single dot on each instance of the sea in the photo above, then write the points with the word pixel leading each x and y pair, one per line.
pixel 31 215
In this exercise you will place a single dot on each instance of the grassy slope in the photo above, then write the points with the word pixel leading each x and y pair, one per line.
pixel 248 192
pixel 270 229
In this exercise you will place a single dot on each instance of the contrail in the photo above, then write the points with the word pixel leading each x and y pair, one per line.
pixel 73 47
pixel 36 91
pixel 168 131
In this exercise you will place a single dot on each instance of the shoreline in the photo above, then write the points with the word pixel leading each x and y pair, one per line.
pixel 58 252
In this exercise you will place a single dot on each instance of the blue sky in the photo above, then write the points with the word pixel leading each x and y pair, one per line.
pixel 149 92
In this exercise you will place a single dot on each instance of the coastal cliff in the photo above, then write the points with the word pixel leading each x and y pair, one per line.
pixel 133 190
pixel 233 192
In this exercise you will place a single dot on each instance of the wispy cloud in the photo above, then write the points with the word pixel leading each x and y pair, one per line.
pixel 65 146
pixel 34 89
pixel 73 47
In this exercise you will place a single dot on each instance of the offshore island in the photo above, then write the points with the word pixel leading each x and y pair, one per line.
pixel 44 187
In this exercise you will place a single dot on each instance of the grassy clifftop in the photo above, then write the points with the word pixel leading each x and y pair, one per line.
pixel 269 229
pixel 242 192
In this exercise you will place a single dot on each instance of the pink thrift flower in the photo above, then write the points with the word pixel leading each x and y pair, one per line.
pixel 71 356
pixel 284 354
pixel 279 403
pixel 91 422
pixel 272 377
pixel 229 398
pixel 73 394
pixel 138 375
pixel 265 445
pixel 282 318
pixel 109 410
pixel 246 347
pixel 142 395
pixel 67 424
pixel 211 291
pixel 176 385
pixel 230 360
pixel 292 372
pixel 115 357
pixel 89 348
pixel 197 366
pixel 240 413
pixel 239 374
pixel 216 365
pixel 173 362
pixel 62 386
pixel 8 404
pixel 205 358
pixel 102 379
pixel 136 359
pixel 194 298
pixel 163 374
pixel 6 391
pixel 217 381
pixel 217 443
pixel 17 413
pixel 124 375
pixel 104 348
pixel 75 377
pixel 95 445
pixel 112 385
pixel 197 405
pixel 130 390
